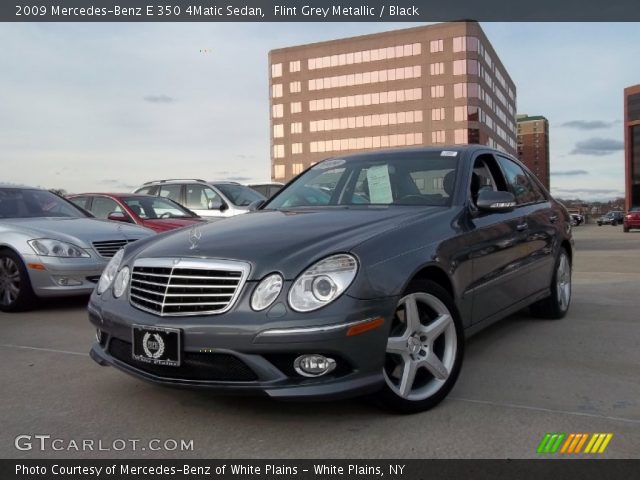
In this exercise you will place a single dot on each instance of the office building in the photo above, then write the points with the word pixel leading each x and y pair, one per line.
pixel 429 85
pixel 632 146
pixel 533 145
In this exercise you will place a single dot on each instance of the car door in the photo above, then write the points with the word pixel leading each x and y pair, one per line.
pixel 540 219
pixel 497 247
pixel 205 201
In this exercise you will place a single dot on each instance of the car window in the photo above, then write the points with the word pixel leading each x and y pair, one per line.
pixel 410 179
pixel 156 207
pixel 82 202
pixel 101 207
pixel 518 182
pixel 239 194
pixel 171 191
pixel 31 203
pixel 146 190
pixel 199 196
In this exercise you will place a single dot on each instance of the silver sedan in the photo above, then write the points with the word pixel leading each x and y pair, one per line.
pixel 49 247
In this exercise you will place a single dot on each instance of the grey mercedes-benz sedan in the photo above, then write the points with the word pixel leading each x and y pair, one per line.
pixel 49 247
pixel 363 275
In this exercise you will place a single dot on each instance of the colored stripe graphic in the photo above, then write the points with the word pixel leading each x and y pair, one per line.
pixel 573 443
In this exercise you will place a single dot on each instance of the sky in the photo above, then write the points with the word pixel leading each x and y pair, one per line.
pixel 108 106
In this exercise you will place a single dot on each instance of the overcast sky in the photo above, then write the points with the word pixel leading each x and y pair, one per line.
pixel 105 107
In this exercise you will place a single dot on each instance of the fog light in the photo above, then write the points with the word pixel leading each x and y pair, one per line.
pixel 314 365
pixel 67 282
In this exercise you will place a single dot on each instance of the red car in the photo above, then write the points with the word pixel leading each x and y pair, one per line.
pixel 157 213
pixel 631 219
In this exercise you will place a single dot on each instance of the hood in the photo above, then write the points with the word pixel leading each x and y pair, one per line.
pixel 79 231
pixel 166 224
pixel 284 241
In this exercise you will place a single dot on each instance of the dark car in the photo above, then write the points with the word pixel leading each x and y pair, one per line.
pixel 157 213
pixel 318 300
pixel 611 218
pixel 631 219
pixel 266 189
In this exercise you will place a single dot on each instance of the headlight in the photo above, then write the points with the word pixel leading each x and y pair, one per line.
pixel 121 282
pixel 323 282
pixel 266 292
pixel 109 272
pixel 48 247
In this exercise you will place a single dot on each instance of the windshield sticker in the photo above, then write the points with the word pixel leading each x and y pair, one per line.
pixel 448 153
pixel 329 164
pixel 379 184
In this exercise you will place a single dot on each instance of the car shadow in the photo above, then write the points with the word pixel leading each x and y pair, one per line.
pixel 63 303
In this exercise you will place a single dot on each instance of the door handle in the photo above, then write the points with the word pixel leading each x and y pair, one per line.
pixel 553 218
pixel 522 226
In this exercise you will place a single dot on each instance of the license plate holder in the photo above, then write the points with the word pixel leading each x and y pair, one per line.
pixel 156 345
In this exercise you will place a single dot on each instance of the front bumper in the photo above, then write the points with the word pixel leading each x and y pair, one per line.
pixel 63 276
pixel 241 358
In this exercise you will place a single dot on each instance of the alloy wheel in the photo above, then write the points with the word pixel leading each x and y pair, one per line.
pixel 563 282
pixel 9 281
pixel 421 349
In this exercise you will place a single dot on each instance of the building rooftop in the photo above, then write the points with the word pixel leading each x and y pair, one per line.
pixel 527 118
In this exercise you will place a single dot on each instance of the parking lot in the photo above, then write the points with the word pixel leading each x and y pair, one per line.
pixel 522 378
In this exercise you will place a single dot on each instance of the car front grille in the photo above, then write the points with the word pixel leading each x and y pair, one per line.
pixel 109 248
pixel 181 287
pixel 194 366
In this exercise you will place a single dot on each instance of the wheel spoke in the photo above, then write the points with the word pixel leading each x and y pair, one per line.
pixel 412 313
pixel 397 345
pixel 437 327
pixel 408 376
pixel 435 366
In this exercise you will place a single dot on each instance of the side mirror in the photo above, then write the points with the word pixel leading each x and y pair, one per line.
pixel 497 202
pixel 253 206
pixel 119 217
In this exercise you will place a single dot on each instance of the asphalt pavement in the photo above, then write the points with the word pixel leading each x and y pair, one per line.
pixel 521 379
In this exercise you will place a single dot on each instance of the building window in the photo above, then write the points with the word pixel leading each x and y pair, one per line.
pixel 297 168
pixel 294 66
pixel 461 90
pixel 276 70
pixel 278 131
pixel 365 78
pixel 350 101
pixel 276 90
pixel 295 87
pixel 465 44
pixel 437 68
pixel 278 171
pixel 296 107
pixel 437 91
pixel 436 46
pixel 437 113
pixel 365 56
pixel 277 110
pixel 437 136
pixel 296 148
pixel 460 136
pixel 278 151
pixel 296 127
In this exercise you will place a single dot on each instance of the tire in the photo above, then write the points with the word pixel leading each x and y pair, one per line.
pixel 426 341
pixel 16 293
pixel 557 304
pixel 614 224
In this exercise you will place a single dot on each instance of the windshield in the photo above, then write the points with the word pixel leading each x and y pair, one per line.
pixel 239 195
pixel 149 208
pixel 31 203
pixel 420 178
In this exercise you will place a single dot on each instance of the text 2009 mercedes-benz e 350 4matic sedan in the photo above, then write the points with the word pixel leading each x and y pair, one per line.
pixel 363 275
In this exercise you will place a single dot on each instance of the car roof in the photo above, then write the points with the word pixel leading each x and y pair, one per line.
pixel 15 185
pixel 424 149
pixel 186 180
pixel 114 195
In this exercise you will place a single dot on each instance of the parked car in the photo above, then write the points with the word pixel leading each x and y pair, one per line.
pixel 321 300
pixel 207 199
pixel 611 218
pixel 631 219
pixel 49 247
pixel 157 213
pixel 576 217
pixel 268 190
